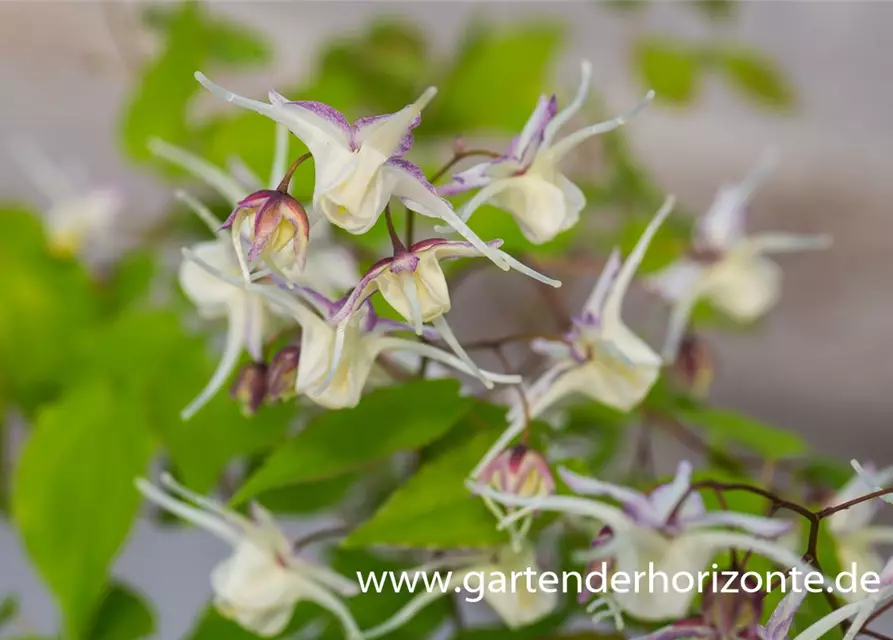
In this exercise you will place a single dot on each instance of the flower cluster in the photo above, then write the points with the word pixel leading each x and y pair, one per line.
pixel 274 268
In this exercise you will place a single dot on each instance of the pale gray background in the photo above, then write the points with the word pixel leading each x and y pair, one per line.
pixel 823 362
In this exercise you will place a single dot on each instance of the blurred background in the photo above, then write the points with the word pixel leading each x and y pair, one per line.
pixel 811 79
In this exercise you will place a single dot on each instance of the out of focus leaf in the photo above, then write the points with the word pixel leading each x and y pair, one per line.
pixel 73 497
pixel 163 368
pixel 47 302
pixel 434 508
pixel 130 280
pixel 716 9
pixel 670 68
pixel 212 626
pixel 9 608
pixel 770 442
pixel 495 81
pixel 670 241
pixel 158 107
pixel 756 77
pixel 228 43
pixel 122 615
pixel 386 421
pixel 310 497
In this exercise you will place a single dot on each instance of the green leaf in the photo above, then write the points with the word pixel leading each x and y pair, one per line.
pixel 389 420
pixel 123 615
pixel 771 442
pixel 130 281
pixel 173 368
pixel 756 77
pixel 73 498
pixel 48 301
pixel 228 42
pixel 496 80
pixel 668 67
pixel 310 497
pixel 158 106
pixel 434 508
pixel 9 608
pixel 718 10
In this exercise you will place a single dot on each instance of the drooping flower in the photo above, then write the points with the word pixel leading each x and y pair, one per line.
pixel 260 584
pixel 250 387
pixel 522 471
pixel 693 368
pixel 277 221
pixel 360 166
pixel 282 374
pixel 336 358
pixel 526 181
pixel 321 264
pixel 668 527
pixel 516 605
pixel 250 317
pixel 80 217
pixel 725 266
pixel 413 283
pixel 600 357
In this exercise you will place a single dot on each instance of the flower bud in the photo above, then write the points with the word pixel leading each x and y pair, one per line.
pixel 276 219
pixel 693 368
pixel 282 373
pixel 250 387
pixel 521 471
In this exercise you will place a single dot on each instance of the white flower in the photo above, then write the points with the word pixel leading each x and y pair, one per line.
pixel 360 166
pixel 526 181
pixel 851 528
pixel 490 577
pixel 413 283
pixel 259 585
pixel 80 218
pixel 668 527
pixel 337 357
pixel 329 268
pixel 727 267
pixel 600 357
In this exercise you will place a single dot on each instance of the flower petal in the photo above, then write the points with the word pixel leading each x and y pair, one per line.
pixel 614 300
pixel 562 147
pixel 412 187
pixel 187 512
pixel 225 184
pixel 235 341
pixel 634 502
pixel 596 300
pixel 570 110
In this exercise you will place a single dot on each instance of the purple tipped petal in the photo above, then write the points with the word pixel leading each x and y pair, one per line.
pixel 634 502
pixel 413 170
pixel 357 133
pixel 349 304
pixel 757 525
pixel 451 248
pixel 328 113
pixel 525 146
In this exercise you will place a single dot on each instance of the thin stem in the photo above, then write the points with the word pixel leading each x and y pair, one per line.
pixel 286 180
pixel 824 513
pixel 396 243
pixel 410 227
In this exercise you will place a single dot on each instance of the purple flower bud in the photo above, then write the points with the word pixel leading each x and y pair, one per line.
pixel 521 471
pixel 276 220
pixel 250 387
pixel 694 369
pixel 282 373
